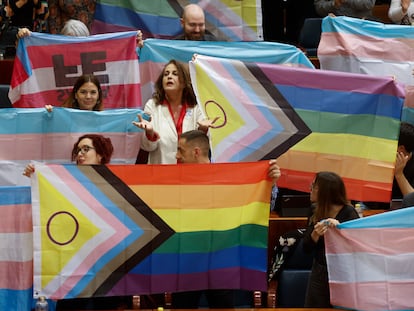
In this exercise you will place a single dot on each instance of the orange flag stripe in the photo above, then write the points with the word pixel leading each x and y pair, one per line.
pixel 347 167
pixel 193 174
pixel 194 197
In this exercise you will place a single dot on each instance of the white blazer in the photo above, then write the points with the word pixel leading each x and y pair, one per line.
pixel 395 11
pixel 163 151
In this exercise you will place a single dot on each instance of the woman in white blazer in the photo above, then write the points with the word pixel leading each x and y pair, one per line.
pixel 401 12
pixel 173 110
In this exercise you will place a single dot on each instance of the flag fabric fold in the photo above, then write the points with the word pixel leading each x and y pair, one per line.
pixel 46 67
pixel 314 120
pixel 156 53
pixel 361 46
pixel 372 255
pixel 121 237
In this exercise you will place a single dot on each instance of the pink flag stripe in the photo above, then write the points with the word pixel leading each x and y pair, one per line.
pixel 122 89
pixel 15 217
pixel 374 241
pixel 122 95
pixel 373 296
pixel 16 275
pixel 374 48
pixel 58 146
pixel 115 49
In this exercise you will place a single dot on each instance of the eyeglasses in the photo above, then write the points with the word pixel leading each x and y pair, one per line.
pixel 83 150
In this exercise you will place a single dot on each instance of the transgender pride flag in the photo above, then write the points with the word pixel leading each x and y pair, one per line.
pixel 47 66
pixel 360 46
pixel 16 256
pixel 371 262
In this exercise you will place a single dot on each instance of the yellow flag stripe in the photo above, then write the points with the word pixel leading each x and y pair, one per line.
pixel 357 146
pixel 218 219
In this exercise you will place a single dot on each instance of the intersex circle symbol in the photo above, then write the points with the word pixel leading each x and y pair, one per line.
pixel 222 120
pixel 49 223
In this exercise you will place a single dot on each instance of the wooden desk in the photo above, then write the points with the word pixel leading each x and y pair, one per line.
pixel 6 69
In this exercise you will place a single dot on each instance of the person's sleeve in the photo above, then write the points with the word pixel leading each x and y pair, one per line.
pixel 150 144
pixel 324 7
pixel 395 11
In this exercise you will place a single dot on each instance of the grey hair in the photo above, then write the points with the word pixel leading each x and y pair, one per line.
pixel 75 28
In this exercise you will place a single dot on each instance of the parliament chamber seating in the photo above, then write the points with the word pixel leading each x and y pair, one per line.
pixel 293 279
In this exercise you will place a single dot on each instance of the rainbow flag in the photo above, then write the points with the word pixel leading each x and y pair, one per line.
pixel 372 255
pixel 46 67
pixel 114 234
pixel 362 46
pixel 156 53
pixel 16 257
pixel 33 134
pixel 227 20
pixel 311 120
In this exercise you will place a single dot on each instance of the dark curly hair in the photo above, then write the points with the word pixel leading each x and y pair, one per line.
pixel 71 101
pixel 103 146
pixel 184 78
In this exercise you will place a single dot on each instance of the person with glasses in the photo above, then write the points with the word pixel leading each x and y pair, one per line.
pixel 90 149
pixel 331 208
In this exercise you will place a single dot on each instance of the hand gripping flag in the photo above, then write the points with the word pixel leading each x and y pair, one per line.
pixel 319 120
pixel 227 20
pixel 123 230
pixel 370 262
pixel 47 66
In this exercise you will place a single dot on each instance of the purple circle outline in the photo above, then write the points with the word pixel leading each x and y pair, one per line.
pixel 221 108
pixel 48 227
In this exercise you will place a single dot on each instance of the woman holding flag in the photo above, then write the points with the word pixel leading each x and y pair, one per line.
pixel 332 207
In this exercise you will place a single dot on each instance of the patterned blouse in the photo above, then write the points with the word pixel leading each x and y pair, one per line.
pixel 62 10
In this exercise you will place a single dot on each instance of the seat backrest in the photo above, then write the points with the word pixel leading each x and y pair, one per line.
pixel 293 279
pixel 291 288
pixel 310 34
